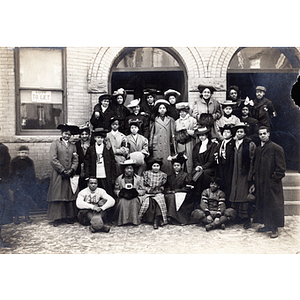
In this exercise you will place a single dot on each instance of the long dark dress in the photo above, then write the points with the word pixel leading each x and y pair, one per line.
pixel 177 183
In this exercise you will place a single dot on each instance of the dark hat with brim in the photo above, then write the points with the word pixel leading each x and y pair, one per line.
pixel 23 148
pixel 149 91
pixel 113 119
pixel 103 97
pixel 234 87
pixel 100 132
pixel 153 160
pixel 239 126
pixel 66 127
pixel 202 130
pixel 84 128
pixel 226 127
pixel 261 88
pixel 202 87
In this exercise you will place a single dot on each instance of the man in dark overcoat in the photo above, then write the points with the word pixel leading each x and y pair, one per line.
pixel 6 215
pixel 269 169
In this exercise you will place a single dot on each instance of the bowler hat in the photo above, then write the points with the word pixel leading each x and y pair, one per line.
pixel 261 88
pixel 66 127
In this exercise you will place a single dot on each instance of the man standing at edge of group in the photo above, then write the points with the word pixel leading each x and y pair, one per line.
pixel 269 169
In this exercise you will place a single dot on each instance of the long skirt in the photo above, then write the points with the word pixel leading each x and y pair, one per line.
pixel 127 211
pixel 6 213
pixel 58 210
pixel 243 209
pixel 181 216
pixel 153 212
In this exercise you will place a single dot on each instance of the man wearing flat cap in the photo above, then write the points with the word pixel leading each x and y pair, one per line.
pixel 264 108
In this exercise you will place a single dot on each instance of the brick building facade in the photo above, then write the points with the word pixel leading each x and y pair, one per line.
pixel 88 73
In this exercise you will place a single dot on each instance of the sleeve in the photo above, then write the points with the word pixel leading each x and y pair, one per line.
pixel 204 202
pixel 81 204
pixel 110 201
pixel 146 127
pixel 113 164
pixel 280 165
pixel 146 182
pixel 145 149
pixel 221 203
pixel 211 158
pixel 75 159
pixel 87 159
pixel 140 187
pixel 217 114
pixel 252 148
pixel 4 162
pixel 117 187
pixel 55 163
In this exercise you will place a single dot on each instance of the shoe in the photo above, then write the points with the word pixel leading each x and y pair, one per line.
pixel 274 233
pixel 247 225
pixel 91 229
pixel 17 221
pixel 105 228
pixel 264 229
pixel 1 243
pixel 155 225
pixel 70 220
pixel 55 223
pixel 28 220
pixel 223 226
pixel 209 227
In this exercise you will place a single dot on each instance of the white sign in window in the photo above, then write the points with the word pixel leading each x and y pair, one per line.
pixel 41 96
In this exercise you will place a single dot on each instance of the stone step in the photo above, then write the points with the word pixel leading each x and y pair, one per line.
pixel 291 193
pixel 292 178
pixel 291 208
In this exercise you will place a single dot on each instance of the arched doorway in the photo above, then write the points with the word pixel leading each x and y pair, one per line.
pixel 138 68
pixel 277 70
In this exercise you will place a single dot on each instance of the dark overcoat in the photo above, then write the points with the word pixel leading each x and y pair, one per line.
pixel 104 119
pixel 109 165
pixel 269 169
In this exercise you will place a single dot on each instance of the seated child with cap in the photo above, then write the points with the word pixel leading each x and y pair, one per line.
pixel 93 203
pixel 22 183
pixel 213 210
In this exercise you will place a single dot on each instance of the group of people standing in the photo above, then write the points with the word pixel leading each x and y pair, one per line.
pixel 165 161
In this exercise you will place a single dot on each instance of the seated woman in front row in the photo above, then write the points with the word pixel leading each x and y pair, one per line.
pixel 153 209
pixel 128 189
pixel 178 194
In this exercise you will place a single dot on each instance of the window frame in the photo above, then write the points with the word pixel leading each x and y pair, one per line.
pixel 38 132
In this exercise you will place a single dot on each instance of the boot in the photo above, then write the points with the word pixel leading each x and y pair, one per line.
pixel 17 221
pixel 28 220
pixel 155 225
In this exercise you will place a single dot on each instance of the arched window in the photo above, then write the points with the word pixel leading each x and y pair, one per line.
pixel 138 68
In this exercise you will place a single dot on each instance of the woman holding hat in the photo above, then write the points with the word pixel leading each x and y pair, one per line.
pixel 119 144
pixel 228 118
pixel 118 107
pixel 135 114
pixel 100 162
pixel 81 147
pixel 102 113
pixel 64 162
pixel 204 164
pixel 128 189
pixel 185 128
pixel 153 209
pixel 162 135
pixel 177 192
pixel 138 146
pixel 207 110
pixel 172 96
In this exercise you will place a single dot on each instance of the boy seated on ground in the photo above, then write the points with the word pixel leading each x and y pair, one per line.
pixel 93 203
pixel 213 212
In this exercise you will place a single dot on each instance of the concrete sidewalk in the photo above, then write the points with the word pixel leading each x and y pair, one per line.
pixel 42 238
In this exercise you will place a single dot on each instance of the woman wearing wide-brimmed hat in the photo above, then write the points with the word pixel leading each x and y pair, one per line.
pixel 64 162
pixel 128 189
pixel 185 127
pixel 153 209
pixel 206 109
pixel 172 96
pixel 204 164
pixel 178 192
pixel 120 110
pixel 162 135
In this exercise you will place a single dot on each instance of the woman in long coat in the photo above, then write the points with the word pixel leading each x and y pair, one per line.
pixel 64 162
pixel 204 163
pixel 128 189
pixel 162 135
pixel 185 128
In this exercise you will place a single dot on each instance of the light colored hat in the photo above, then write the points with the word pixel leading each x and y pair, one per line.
pixel 228 103
pixel 171 92
pixel 261 88
pixel 161 101
pixel 202 130
pixel 182 105
pixel 128 162
pixel 134 102
pixel 121 92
